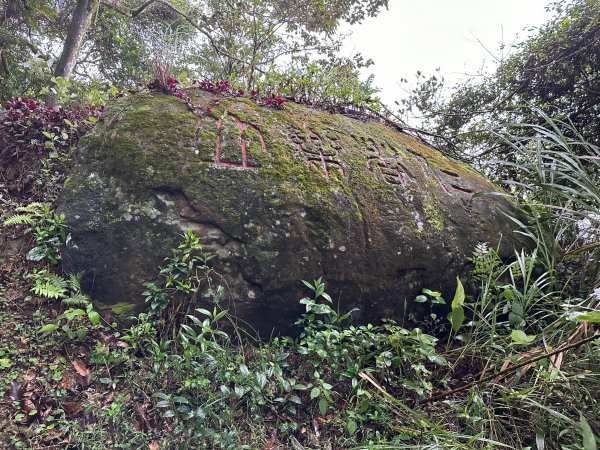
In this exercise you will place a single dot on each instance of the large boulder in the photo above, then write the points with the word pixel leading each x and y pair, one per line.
pixel 278 195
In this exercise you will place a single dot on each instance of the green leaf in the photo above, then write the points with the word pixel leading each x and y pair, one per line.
pixel 94 318
pixel 593 317
pixel 314 393
pixel 459 294
pixel 432 293
pixel 421 299
pixel 323 406
pixel 5 363
pixel 519 337
pixel 36 254
pixel 204 311
pixel 48 328
pixel 239 391
pixel 308 285
pixel 71 313
pixel 589 440
pixel 351 426
pixel 438 300
pixel 458 312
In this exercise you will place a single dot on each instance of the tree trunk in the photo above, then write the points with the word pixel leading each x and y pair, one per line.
pixel 82 16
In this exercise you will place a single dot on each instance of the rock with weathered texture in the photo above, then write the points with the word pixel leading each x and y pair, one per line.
pixel 278 196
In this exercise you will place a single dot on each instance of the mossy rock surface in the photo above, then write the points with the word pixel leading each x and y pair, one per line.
pixel 278 196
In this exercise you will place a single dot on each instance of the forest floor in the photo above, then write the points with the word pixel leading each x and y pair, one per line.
pixel 44 378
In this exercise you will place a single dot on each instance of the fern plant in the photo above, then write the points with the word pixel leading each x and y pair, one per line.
pixel 49 229
pixel 53 286
pixel 49 285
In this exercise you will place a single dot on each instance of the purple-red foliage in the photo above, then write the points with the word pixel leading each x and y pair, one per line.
pixel 23 148
pixel 170 85
pixel 274 100
pixel 220 87
pixel 223 87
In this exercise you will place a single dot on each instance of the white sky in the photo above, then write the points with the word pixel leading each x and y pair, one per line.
pixel 426 34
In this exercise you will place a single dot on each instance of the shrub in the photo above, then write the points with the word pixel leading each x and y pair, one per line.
pixel 30 134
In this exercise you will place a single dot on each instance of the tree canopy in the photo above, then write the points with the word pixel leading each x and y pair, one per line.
pixel 110 41
pixel 556 70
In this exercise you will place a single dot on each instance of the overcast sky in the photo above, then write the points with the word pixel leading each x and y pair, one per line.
pixel 426 34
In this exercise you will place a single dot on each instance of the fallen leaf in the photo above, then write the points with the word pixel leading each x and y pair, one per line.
pixel 52 435
pixel 80 368
pixel 154 445
pixel 68 380
pixel 47 412
pixel 108 400
pixel 30 375
pixel 28 406
pixel 71 408
pixel 84 372
pixel 271 442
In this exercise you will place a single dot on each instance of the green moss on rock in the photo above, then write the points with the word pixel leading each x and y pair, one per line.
pixel 319 194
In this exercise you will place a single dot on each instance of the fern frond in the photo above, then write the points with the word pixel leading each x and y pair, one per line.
pixel 18 219
pixel 49 285
pixel 33 207
pixel 75 281
pixel 77 300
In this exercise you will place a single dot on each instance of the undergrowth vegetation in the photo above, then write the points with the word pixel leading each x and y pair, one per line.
pixel 34 141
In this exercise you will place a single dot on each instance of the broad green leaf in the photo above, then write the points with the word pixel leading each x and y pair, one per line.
pixel 315 392
pixel 459 295
pixel 519 337
pixel 432 293
pixel 36 254
pixel 94 318
pixel 48 328
pixel 421 299
pixel 323 406
pixel 308 285
pixel 438 300
pixel 540 441
pixel 589 440
pixel 593 317
pixel 351 426
pixel 458 312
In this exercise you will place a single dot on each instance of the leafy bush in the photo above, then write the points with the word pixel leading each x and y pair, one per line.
pixel 30 132
pixel 185 277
